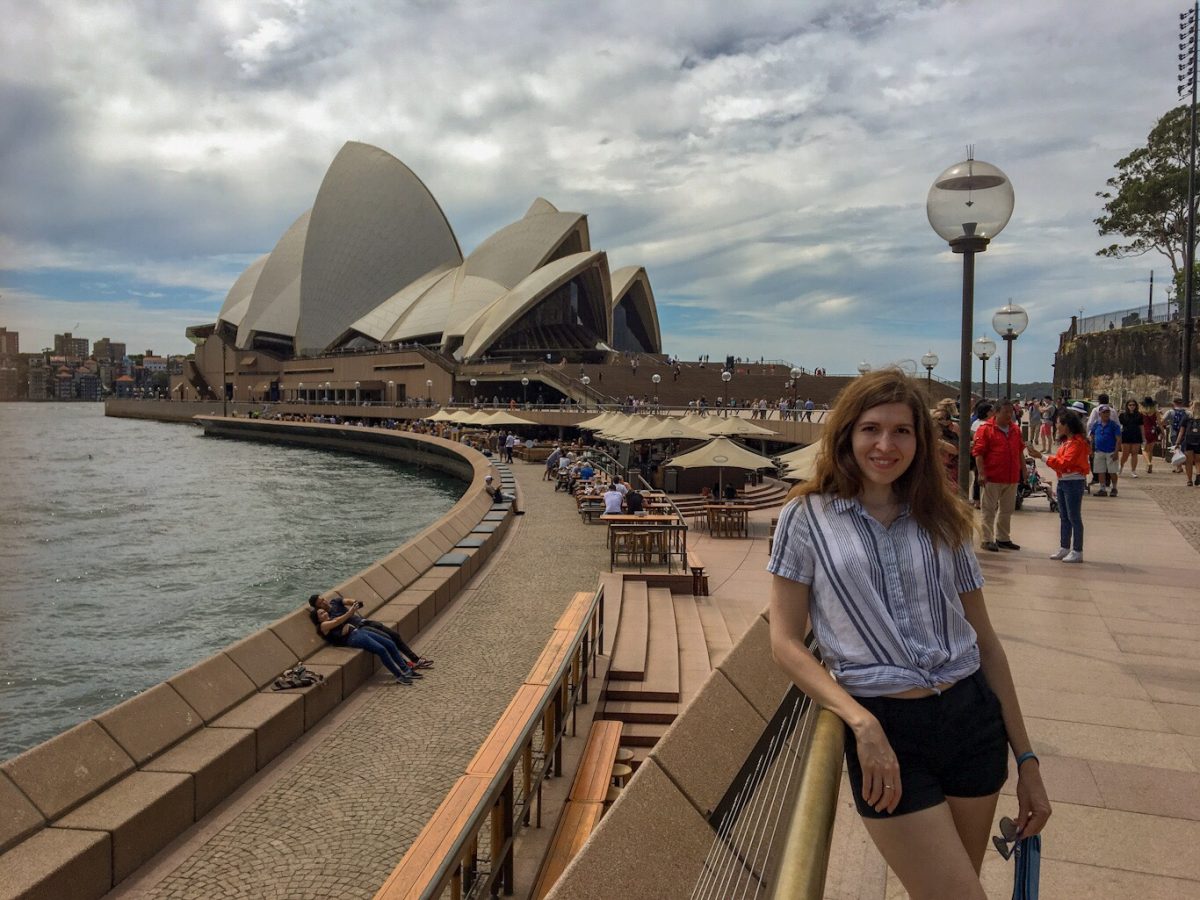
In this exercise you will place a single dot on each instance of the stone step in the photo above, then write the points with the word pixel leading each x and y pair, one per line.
pixel 642 735
pixel 661 677
pixel 694 665
pixel 641 711
pixel 632 638
pixel 614 588
pixel 716 631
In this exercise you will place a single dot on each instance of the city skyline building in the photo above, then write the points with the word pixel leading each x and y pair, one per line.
pixel 71 347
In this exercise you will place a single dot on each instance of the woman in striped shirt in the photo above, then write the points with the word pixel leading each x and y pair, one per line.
pixel 876 553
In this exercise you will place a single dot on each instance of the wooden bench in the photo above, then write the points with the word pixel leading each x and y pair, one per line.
pixel 699 579
pixel 594 774
pixel 586 804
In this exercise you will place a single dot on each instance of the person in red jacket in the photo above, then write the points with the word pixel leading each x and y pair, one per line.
pixel 1071 464
pixel 999 453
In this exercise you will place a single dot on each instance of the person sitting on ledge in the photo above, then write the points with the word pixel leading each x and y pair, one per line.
pixel 340 624
pixel 498 496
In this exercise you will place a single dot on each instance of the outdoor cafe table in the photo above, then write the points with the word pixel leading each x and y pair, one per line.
pixel 631 519
pixel 728 520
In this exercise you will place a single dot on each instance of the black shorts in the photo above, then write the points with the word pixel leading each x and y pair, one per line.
pixel 948 745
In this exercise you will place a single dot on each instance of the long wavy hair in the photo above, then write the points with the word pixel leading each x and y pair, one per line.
pixel 931 499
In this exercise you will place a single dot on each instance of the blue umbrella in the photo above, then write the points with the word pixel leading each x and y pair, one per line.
pixel 1028 868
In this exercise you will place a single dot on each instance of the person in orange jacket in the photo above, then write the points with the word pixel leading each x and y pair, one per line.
pixel 1071 465
pixel 999 452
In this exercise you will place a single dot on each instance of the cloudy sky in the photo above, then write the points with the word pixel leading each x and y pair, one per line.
pixel 767 162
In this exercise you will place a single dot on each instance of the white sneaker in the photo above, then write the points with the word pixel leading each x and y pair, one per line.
pixel 1062 551
pixel 1073 557
pixel 1133 474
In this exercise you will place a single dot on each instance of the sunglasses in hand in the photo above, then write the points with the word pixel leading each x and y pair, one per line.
pixel 1006 841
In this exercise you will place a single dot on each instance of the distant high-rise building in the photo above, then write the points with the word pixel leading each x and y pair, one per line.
pixel 107 349
pixel 10 343
pixel 71 347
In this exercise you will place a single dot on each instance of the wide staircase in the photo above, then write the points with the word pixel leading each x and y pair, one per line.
pixel 665 647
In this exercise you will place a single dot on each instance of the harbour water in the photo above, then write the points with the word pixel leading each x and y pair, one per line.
pixel 130 550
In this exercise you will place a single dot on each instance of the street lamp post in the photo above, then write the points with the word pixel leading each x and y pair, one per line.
pixel 585 381
pixel 726 377
pixel 1009 321
pixel 524 391
pixel 864 367
pixel 392 391
pixel 968 205
pixel 985 349
pixel 997 364
pixel 429 390
pixel 794 384
pixel 929 361
pixel 357 393
pixel 474 393
pixel 656 378
pixel 301 390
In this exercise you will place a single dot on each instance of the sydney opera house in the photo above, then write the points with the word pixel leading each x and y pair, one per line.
pixel 369 291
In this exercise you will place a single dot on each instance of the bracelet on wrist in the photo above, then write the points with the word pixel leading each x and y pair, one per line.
pixel 1025 757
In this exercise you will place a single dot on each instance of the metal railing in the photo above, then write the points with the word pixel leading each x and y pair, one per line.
pixel 774 825
pixel 476 860
pixel 1126 318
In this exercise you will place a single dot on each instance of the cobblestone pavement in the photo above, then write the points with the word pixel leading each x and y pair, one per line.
pixel 1179 503
pixel 338 822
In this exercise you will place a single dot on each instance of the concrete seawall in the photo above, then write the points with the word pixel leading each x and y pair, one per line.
pixel 82 811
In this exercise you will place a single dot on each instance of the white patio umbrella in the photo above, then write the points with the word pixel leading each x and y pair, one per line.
pixel 501 417
pixel 801 464
pixel 672 429
pixel 722 453
pixel 733 425
pixel 443 415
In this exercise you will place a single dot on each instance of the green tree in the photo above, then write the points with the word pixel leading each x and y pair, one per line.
pixel 1146 201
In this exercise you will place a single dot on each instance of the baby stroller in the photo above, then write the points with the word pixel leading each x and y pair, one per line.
pixel 1032 484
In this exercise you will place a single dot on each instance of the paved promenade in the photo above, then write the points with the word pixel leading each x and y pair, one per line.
pixel 1106 657
pixel 334 815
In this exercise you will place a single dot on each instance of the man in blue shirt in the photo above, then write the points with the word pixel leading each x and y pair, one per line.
pixel 1106 436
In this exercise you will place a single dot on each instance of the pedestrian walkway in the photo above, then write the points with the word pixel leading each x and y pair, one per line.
pixel 1106 658
pixel 334 815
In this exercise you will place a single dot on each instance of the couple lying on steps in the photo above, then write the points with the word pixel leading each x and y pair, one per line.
pixel 338 622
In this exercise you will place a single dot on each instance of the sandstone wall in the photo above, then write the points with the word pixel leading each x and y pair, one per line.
pixel 1146 361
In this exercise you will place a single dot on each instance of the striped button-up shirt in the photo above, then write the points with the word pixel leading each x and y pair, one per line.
pixel 884 601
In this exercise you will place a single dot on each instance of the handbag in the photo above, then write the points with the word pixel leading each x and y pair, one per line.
pixel 1178 458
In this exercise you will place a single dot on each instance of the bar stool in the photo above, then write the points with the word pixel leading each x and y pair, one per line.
pixel 624 755
pixel 620 772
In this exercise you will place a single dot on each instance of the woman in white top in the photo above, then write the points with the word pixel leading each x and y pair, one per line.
pixel 876 553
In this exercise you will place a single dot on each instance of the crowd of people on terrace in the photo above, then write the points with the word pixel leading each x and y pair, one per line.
pixel 1086 445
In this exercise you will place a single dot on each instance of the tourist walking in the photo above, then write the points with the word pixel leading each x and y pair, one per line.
pixel 1173 421
pixel 874 552
pixel 1106 437
pixel 999 452
pixel 1189 443
pixel 552 464
pixel 1151 433
pixel 1035 422
pixel 1049 414
pixel 1070 463
pixel 1131 421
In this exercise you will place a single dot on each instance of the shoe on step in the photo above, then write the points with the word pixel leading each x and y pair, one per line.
pixel 1060 553
pixel 1103 492
pixel 1113 492
pixel 1150 469
pixel 1008 545
pixel 990 546
pixel 1073 557
pixel 1133 474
